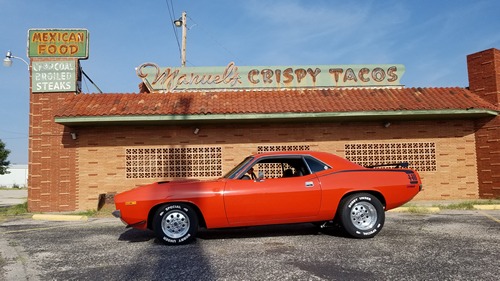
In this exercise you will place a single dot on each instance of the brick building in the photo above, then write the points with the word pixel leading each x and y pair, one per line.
pixel 85 145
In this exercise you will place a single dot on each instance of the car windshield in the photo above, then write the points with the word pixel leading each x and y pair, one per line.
pixel 235 170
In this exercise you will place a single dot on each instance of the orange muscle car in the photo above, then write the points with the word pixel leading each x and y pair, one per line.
pixel 272 188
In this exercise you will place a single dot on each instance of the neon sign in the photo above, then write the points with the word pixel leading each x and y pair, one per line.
pixel 68 43
pixel 172 79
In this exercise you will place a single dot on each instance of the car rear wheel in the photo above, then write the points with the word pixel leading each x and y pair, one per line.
pixel 362 215
pixel 175 224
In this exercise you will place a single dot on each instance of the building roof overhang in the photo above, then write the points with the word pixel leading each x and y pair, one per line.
pixel 277 117
pixel 301 105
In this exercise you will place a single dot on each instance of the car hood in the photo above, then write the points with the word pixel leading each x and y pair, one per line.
pixel 169 189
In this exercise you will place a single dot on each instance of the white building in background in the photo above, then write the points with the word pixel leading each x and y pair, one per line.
pixel 18 175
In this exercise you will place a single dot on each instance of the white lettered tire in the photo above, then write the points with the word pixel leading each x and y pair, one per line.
pixel 175 224
pixel 362 215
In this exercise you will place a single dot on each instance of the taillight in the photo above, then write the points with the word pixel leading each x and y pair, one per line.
pixel 412 177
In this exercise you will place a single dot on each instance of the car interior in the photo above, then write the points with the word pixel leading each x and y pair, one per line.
pixel 275 167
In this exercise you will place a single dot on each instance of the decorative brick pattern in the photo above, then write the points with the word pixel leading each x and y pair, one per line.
pixel 273 170
pixel 420 156
pixel 271 148
pixel 181 162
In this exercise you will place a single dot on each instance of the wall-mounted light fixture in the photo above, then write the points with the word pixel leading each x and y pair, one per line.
pixel 387 124
pixel 74 136
pixel 196 131
pixel 7 61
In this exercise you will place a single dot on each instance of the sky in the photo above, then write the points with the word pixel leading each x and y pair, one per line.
pixel 431 38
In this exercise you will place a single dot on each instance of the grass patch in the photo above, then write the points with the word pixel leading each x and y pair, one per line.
pixel 458 206
pixel 13 188
pixel 22 210
pixel 418 210
pixel 105 211
pixel 88 213
pixel 467 205
pixel 16 210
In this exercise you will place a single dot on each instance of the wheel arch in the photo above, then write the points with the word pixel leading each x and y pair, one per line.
pixel 377 194
pixel 152 212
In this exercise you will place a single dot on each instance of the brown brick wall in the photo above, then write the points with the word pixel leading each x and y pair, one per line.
pixel 101 151
pixel 484 74
pixel 67 174
pixel 484 80
pixel 52 166
pixel 51 157
pixel 488 157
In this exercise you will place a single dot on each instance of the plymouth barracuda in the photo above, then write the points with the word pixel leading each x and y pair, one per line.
pixel 272 188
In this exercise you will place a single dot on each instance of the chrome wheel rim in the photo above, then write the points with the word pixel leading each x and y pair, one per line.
pixel 175 224
pixel 363 215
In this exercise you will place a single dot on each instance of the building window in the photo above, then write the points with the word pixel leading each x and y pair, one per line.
pixel 420 156
pixel 173 162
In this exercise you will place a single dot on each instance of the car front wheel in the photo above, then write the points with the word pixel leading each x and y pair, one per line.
pixel 175 224
pixel 362 215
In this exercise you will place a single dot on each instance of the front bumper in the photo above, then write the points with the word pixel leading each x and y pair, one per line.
pixel 117 214
pixel 140 224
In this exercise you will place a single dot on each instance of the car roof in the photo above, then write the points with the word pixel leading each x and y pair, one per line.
pixel 298 152
pixel 326 157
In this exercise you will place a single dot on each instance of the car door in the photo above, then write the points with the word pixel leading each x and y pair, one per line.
pixel 244 201
pixel 274 199
pixel 292 199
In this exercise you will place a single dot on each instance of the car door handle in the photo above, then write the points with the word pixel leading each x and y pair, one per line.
pixel 309 184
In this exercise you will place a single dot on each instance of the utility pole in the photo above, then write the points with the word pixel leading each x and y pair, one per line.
pixel 184 35
pixel 182 23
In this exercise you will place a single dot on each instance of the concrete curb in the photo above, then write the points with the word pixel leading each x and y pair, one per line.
pixel 47 217
pixel 486 207
pixel 408 209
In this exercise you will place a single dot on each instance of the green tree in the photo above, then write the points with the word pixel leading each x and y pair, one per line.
pixel 4 153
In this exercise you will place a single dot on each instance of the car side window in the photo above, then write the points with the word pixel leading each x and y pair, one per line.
pixel 295 168
pixel 315 165
pixel 283 167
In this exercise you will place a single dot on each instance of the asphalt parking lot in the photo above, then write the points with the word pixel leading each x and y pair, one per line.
pixel 449 245
pixel 12 197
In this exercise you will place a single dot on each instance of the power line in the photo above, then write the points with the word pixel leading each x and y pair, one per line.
pixel 172 16
pixel 12 132
pixel 90 80
pixel 16 138
pixel 172 5
pixel 212 37
pixel 86 85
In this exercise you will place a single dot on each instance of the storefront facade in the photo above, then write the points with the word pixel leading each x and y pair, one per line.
pixel 85 145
